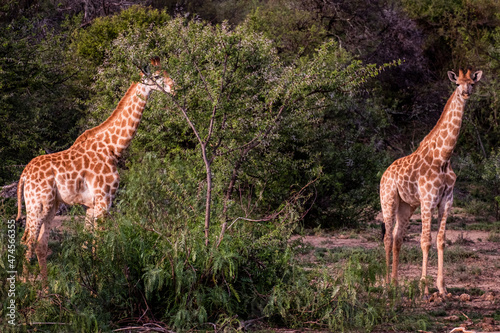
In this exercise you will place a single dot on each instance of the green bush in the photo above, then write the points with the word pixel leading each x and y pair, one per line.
pixel 93 42
pixel 146 264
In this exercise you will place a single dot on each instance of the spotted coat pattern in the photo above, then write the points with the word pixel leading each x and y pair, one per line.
pixel 86 173
pixel 425 178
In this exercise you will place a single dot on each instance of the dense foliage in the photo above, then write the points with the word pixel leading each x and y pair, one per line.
pixel 285 115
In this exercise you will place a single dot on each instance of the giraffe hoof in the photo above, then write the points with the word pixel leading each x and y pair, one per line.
pixel 436 298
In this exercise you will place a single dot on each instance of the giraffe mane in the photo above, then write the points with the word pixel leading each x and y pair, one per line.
pixel 429 136
pixel 88 134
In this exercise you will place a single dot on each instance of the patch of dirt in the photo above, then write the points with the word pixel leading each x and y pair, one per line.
pixel 472 269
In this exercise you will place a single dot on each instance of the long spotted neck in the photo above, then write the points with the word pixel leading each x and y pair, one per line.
pixel 441 141
pixel 119 129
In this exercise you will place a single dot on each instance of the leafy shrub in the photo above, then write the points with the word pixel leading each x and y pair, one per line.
pixel 93 42
pixel 340 302
pixel 148 262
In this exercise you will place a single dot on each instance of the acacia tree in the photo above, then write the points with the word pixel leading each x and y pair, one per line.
pixel 242 105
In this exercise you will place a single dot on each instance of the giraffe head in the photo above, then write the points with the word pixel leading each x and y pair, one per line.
pixel 466 82
pixel 158 80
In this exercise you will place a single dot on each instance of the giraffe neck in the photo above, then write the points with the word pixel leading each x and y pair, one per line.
pixel 444 135
pixel 119 129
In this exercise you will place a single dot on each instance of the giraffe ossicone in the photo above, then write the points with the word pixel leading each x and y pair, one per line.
pixel 86 173
pixel 425 178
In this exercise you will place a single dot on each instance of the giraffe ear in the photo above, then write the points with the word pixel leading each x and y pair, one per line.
pixel 452 76
pixel 477 76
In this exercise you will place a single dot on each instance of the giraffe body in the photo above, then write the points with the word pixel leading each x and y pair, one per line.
pixel 425 178
pixel 86 173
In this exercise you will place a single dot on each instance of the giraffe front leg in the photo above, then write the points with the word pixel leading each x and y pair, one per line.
pixel 425 244
pixel 104 194
pixel 444 209
pixel 403 215
pixel 92 214
pixel 90 219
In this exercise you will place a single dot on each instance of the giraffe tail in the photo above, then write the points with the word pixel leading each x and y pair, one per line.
pixel 20 188
pixel 382 227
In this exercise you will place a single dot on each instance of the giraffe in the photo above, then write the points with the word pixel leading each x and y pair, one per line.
pixel 86 173
pixel 425 178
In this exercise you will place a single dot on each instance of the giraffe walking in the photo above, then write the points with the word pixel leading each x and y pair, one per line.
pixel 86 173
pixel 425 179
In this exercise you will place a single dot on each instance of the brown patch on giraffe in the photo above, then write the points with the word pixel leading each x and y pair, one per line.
pixel 98 168
pixel 106 169
pixel 86 162
pixel 78 163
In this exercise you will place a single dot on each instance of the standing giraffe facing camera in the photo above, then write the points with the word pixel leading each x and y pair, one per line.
pixel 86 173
pixel 425 179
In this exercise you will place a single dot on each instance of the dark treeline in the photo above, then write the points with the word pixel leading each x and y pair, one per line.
pixel 51 51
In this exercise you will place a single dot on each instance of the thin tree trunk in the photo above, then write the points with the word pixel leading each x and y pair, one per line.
pixel 229 192
pixel 209 191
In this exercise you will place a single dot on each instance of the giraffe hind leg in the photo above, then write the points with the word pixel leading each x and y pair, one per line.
pixel 42 251
pixel 33 226
pixel 389 207
pixel 403 214
pixel 36 235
